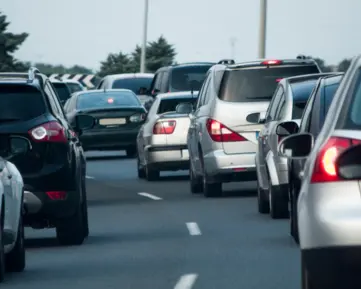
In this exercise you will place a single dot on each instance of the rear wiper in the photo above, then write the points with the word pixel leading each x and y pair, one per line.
pixel 260 97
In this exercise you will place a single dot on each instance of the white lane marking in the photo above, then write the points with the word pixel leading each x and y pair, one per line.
pixel 193 229
pixel 89 177
pixel 186 281
pixel 150 196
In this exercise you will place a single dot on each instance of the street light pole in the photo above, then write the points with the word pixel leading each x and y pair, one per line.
pixel 145 31
pixel 262 29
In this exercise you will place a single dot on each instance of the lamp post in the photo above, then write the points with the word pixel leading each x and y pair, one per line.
pixel 262 29
pixel 2 48
pixel 144 43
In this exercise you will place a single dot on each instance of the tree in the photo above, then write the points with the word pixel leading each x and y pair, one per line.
pixel 344 65
pixel 9 43
pixel 161 53
pixel 115 63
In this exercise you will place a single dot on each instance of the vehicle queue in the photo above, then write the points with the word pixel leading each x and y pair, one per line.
pixel 281 122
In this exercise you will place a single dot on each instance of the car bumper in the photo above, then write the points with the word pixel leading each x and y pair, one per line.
pixel 228 168
pixel 109 139
pixel 175 157
pixel 329 215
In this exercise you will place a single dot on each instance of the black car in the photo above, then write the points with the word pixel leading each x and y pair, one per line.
pixel 53 170
pixel 312 121
pixel 62 90
pixel 118 114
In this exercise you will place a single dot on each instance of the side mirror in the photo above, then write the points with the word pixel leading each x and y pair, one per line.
pixel 185 108
pixel 297 146
pixel 348 164
pixel 287 128
pixel 13 146
pixel 83 122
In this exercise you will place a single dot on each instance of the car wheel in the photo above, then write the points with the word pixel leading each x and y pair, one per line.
pixel 2 251
pixel 293 217
pixel 85 210
pixel 15 260
pixel 277 206
pixel 151 174
pixel 131 152
pixel 211 189
pixel 306 282
pixel 263 205
pixel 140 169
pixel 195 183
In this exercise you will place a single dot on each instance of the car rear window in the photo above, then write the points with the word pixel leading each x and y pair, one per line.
pixel 133 84
pixel 168 105
pixel 188 78
pixel 74 87
pixel 257 84
pixel 301 92
pixel 20 103
pixel 106 100
pixel 62 90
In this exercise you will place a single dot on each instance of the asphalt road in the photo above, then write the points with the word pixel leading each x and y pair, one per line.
pixel 168 239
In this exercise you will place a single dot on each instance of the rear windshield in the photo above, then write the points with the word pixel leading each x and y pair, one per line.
pixel 257 84
pixel 133 84
pixel 74 87
pixel 62 90
pixel 106 100
pixel 20 103
pixel 330 91
pixel 301 92
pixel 168 105
pixel 188 78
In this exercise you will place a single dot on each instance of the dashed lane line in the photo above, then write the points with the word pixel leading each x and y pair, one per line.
pixel 193 229
pixel 186 281
pixel 150 196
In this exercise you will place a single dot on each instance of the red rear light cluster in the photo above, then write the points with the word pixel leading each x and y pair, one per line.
pixel 272 62
pixel 164 127
pixel 49 132
pixel 325 169
pixel 56 195
pixel 220 133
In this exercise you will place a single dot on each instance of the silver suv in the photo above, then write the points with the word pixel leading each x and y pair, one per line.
pixel 222 140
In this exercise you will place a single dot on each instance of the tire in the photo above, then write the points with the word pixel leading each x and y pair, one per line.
pixel 211 190
pixel 277 206
pixel 263 204
pixel 131 152
pixel 195 184
pixel 140 170
pixel 151 174
pixel 306 282
pixel 16 259
pixel 293 217
pixel 85 210
pixel 2 251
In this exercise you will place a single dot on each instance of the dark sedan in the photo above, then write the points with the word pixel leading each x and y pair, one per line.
pixel 118 113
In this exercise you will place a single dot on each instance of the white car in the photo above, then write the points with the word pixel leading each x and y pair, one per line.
pixel 12 250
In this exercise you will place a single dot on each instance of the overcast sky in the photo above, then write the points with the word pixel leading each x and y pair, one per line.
pixel 84 31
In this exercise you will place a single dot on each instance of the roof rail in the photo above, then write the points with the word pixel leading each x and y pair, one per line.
pixel 226 61
pixel 32 73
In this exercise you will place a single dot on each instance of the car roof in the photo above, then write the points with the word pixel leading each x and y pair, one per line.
pixel 177 95
pixel 305 77
pixel 54 80
pixel 103 91
pixel 129 75
pixel 22 78
pixel 334 79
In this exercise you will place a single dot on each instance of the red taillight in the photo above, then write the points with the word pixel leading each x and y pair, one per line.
pixel 324 169
pixel 49 132
pixel 278 79
pixel 56 195
pixel 272 62
pixel 164 127
pixel 220 133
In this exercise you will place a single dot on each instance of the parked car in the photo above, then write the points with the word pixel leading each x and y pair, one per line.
pixel 222 140
pixel 74 85
pixel 53 170
pixel 118 114
pixel 62 90
pixel 12 249
pixel 288 103
pixel 329 203
pixel 162 140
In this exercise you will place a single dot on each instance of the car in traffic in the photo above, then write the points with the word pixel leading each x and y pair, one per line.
pixel 53 170
pixel 118 114
pixel 162 140
pixel 139 83
pixel 329 203
pixel 62 90
pixel 74 85
pixel 223 137
pixel 288 103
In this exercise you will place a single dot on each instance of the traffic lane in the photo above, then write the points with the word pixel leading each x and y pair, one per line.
pixel 133 245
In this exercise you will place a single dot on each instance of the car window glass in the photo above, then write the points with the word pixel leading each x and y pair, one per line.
pixel 202 95
pixel 275 104
pixel 133 84
pixel 188 78
pixel 169 105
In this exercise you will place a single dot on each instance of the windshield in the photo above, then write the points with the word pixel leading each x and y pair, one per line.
pixel 188 78
pixel 107 100
pixel 133 84
pixel 62 90
pixel 253 85
pixel 74 87
pixel 301 92
pixel 20 102
pixel 168 105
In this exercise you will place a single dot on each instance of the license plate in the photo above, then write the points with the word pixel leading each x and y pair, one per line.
pixel 257 134
pixel 112 121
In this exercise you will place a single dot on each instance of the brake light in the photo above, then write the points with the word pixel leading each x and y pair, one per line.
pixel 278 79
pixel 220 133
pixel 49 132
pixel 164 127
pixel 272 62
pixel 325 169
pixel 56 195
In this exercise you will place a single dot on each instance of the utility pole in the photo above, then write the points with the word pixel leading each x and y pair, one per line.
pixel 144 43
pixel 233 41
pixel 262 29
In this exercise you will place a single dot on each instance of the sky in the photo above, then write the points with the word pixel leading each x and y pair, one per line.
pixel 84 32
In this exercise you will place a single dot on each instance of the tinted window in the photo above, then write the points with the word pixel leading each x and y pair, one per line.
pixel 252 85
pixel 329 93
pixel 74 87
pixel 188 78
pixel 133 84
pixel 20 102
pixel 301 92
pixel 107 100
pixel 168 105
pixel 62 90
